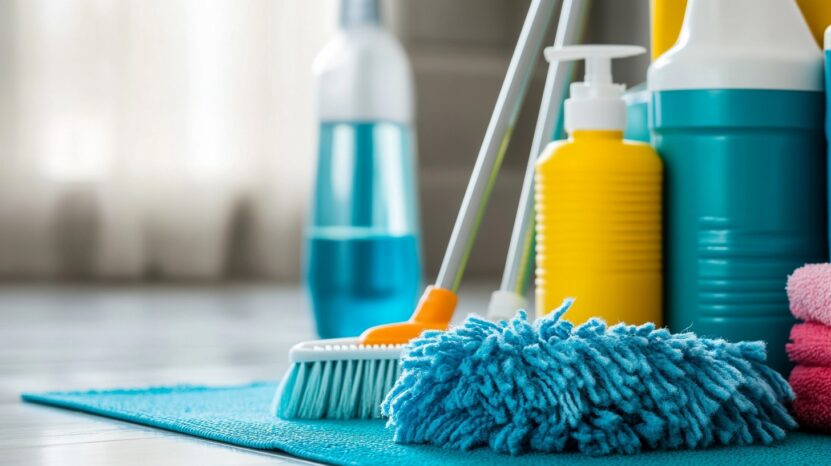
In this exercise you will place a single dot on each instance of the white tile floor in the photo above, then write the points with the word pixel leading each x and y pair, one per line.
pixel 68 337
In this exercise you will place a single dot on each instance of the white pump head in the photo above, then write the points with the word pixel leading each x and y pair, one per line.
pixel 596 103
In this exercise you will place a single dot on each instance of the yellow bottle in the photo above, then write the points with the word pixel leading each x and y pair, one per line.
pixel 598 205
pixel 817 14
pixel 666 19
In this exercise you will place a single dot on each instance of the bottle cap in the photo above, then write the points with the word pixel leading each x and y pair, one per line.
pixel 359 13
pixel 596 103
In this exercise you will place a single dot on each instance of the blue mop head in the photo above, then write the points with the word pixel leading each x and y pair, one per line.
pixel 550 386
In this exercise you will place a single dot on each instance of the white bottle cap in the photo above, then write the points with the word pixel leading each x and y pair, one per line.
pixel 359 13
pixel 597 102
pixel 740 44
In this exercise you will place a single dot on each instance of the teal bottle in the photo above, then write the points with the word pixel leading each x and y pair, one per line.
pixel 741 134
pixel 637 114
pixel 827 56
pixel 745 204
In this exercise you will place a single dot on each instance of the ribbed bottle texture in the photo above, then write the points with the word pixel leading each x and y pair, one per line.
pixel 746 203
pixel 598 203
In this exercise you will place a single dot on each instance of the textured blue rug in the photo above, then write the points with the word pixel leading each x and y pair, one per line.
pixel 240 415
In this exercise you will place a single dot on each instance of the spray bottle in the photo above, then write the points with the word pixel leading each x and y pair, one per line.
pixel 598 203
pixel 362 243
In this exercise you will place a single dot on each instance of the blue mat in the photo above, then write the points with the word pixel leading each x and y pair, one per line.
pixel 239 415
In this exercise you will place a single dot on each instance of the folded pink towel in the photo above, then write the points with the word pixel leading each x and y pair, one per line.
pixel 810 344
pixel 812 405
pixel 809 292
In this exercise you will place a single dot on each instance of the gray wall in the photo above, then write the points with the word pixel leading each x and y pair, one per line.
pixel 460 51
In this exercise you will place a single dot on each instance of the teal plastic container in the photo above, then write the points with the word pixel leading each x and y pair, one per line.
pixel 637 114
pixel 827 55
pixel 745 204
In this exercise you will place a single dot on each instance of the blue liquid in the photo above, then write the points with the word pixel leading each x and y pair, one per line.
pixel 363 266
pixel 361 282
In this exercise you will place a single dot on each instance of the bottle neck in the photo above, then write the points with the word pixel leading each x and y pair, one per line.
pixel 596 134
pixel 356 13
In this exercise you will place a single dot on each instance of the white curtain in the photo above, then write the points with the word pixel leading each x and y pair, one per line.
pixel 156 138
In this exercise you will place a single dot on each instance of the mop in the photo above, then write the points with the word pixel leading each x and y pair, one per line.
pixel 550 386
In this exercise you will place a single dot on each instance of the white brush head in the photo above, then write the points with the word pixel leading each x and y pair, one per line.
pixel 342 349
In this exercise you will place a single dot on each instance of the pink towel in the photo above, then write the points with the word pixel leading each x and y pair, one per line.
pixel 811 344
pixel 809 291
pixel 812 406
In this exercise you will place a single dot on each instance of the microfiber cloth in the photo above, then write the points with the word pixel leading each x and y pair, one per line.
pixel 809 293
pixel 812 406
pixel 239 415
pixel 810 344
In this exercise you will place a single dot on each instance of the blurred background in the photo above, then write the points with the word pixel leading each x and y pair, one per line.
pixel 174 140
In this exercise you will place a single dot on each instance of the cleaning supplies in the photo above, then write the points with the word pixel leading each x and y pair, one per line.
pixel 363 261
pixel 737 116
pixel 599 204
pixel 343 374
pixel 552 386
pixel 512 290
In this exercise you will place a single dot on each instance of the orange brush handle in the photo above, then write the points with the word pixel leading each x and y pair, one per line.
pixel 434 311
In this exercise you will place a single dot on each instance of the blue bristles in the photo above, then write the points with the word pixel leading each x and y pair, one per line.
pixel 335 389
pixel 518 387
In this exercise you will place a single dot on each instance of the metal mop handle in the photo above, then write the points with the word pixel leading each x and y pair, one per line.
pixel 505 113
pixel 520 251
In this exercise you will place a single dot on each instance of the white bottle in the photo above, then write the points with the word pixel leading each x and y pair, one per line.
pixel 363 73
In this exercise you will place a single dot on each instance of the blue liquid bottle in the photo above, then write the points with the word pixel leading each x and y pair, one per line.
pixel 362 254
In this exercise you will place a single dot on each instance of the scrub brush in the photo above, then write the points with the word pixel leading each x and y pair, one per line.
pixel 550 386
pixel 347 378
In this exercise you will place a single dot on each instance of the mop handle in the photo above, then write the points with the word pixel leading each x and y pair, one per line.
pixel 521 249
pixel 505 113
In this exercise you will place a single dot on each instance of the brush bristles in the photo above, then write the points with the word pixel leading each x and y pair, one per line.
pixel 336 389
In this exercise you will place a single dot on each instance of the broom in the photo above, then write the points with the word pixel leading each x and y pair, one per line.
pixel 348 378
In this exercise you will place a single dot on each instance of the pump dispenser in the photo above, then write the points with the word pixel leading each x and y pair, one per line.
pixel 598 202
pixel 596 103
